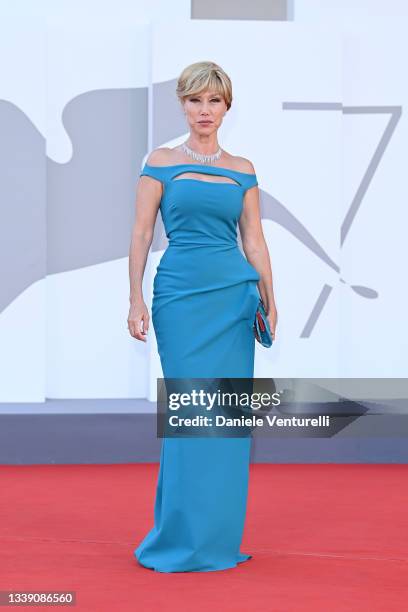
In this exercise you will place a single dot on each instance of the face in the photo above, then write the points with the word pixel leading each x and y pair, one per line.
pixel 205 111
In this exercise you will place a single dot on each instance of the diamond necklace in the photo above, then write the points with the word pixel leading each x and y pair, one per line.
pixel 206 159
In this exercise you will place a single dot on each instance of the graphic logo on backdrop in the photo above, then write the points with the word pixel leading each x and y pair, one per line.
pixel 272 209
pixel 80 191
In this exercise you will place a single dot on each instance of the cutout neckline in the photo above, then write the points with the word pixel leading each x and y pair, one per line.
pixel 202 166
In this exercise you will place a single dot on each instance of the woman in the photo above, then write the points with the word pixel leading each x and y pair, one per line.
pixel 204 301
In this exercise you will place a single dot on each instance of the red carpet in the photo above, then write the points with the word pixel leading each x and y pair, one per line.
pixel 325 538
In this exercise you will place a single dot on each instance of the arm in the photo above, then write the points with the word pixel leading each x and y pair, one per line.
pixel 148 196
pixel 256 249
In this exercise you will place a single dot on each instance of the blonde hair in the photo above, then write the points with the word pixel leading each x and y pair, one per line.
pixel 202 76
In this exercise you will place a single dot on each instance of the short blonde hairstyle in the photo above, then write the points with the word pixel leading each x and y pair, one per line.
pixel 202 76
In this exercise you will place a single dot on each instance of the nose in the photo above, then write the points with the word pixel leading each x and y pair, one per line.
pixel 204 107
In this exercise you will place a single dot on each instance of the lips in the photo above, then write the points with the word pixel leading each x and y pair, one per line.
pixel 205 122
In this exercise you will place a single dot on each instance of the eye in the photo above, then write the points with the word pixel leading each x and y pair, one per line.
pixel 212 100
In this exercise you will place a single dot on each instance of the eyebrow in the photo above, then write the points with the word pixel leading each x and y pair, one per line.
pixel 211 95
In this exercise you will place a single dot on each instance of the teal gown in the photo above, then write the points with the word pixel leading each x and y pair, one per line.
pixel 204 300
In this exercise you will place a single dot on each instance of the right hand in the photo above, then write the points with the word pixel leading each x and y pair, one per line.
pixel 138 320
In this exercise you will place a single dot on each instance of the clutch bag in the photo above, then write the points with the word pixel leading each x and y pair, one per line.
pixel 262 328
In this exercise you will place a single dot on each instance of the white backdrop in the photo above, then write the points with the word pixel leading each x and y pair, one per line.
pixel 71 340
pixel 375 252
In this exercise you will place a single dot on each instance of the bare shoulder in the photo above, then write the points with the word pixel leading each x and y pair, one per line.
pixel 159 157
pixel 244 165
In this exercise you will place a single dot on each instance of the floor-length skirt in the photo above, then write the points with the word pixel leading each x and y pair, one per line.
pixel 203 330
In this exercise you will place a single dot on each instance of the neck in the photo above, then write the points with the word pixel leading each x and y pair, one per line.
pixel 206 145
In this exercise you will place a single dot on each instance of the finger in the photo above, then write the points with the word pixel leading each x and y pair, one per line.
pixel 134 333
pixel 145 322
pixel 142 328
pixel 142 331
pixel 139 336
